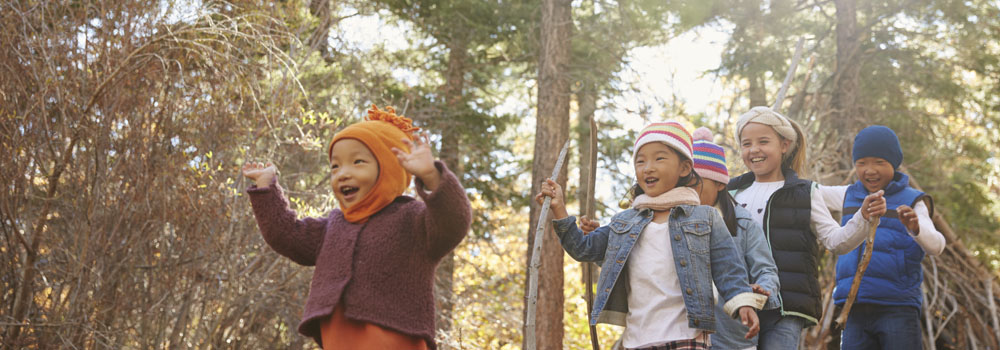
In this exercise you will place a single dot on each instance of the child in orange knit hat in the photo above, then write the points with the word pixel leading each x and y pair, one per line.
pixel 375 256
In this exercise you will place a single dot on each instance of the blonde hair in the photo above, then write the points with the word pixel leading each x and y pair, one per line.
pixel 796 158
pixel 786 128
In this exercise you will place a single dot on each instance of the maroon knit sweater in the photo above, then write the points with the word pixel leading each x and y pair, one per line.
pixel 383 270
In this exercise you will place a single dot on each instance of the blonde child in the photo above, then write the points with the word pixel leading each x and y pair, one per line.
pixel 375 256
pixel 661 256
pixel 795 214
pixel 751 244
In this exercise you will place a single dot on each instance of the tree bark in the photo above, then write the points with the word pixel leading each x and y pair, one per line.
pixel 795 111
pixel 551 131
pixel 451 156
pixel 758 97
pixel 844 102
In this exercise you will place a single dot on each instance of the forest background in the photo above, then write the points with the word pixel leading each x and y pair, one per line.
pixel 124 225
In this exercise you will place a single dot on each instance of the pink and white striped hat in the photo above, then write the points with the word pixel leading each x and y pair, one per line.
pixel 670 132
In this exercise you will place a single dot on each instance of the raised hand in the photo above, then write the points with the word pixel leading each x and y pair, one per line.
pixel 260 173
pixel 419 161
pixel 873 205
pixel 909 218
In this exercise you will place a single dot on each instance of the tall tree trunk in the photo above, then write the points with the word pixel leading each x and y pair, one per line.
pixel 451 156
pixel 795 111
pixel 750 29
pixel 847 83
pixel 758 95
pixel 844 108
pixel 551 131
pixel 318 39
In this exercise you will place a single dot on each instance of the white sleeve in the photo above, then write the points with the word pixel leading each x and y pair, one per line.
pixel 824 202
pixel 929 237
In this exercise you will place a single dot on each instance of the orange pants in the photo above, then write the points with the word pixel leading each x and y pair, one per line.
pixel 338 333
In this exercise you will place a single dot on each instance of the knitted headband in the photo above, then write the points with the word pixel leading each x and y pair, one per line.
pixel 380 132
pixel 764 115
pixel 880 142
pixel 671 133
pixel 709 158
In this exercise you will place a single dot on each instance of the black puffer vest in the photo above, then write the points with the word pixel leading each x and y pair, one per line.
pixel 793 243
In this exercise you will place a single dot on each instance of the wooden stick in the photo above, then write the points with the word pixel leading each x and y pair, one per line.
pixel 590 212
pixel 536 259
pixel 788 77
pixel 866 257
pixel 992 304
pixel 827 318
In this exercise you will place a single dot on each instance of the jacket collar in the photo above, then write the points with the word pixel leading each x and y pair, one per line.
pixel 745 180
pixel 900 181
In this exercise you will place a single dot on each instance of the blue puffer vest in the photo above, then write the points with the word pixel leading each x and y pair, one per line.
pixel 894 274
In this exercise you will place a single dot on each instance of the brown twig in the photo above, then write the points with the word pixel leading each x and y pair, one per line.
pixel 866 257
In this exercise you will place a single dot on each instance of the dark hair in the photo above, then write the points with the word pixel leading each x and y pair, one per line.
pixel 692 179
pixel 727 205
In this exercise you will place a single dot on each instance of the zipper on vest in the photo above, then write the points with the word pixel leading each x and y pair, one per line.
pixel 767 235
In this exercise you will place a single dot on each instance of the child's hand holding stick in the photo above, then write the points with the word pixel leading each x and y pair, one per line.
pixel 873 207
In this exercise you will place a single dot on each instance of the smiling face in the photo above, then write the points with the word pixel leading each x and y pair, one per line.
pixel 875 173
pixel 658 168
pixel 761 149
pixel 354 171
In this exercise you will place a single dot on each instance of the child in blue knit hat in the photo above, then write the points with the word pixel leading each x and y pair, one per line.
pixel 886 313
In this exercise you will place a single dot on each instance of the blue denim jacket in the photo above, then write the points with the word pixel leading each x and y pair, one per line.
pixel 703 252
pixel 751 244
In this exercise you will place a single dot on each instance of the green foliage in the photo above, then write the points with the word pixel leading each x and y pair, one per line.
pixel 925 73
pixel 151 203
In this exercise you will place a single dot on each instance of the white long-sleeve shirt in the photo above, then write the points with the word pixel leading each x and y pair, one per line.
pixel 828 201
pixel 837 239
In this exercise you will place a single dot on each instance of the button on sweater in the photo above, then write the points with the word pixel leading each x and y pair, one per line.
pixel 382 271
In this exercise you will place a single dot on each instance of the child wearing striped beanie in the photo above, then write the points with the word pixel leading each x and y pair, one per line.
pixel 709 158
pixel 669 135
pixel 710 164
pixel 751 244
pixel 675 250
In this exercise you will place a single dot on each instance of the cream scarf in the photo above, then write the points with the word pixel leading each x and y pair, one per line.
pixel 668 200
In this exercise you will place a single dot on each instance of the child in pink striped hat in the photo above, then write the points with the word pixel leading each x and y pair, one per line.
pixel 751 244
pixel 661 257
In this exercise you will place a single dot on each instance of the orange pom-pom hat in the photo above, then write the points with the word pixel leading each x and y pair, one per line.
pixel 381 131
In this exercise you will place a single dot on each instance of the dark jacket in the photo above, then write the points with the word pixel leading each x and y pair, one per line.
pixel 793 243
